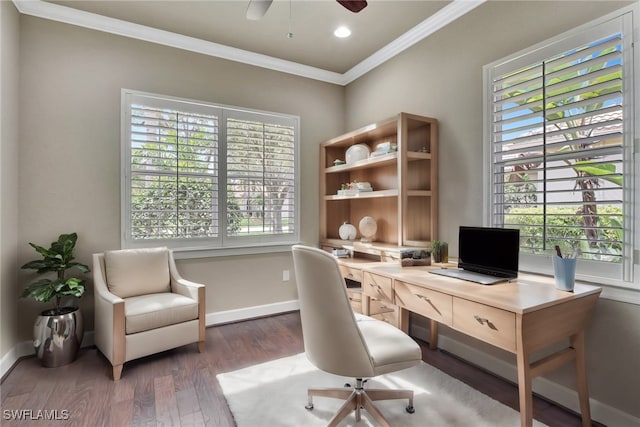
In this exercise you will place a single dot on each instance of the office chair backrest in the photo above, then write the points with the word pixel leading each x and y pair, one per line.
pixel 332 340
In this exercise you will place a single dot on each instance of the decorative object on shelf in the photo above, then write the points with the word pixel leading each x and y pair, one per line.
pixel 338 162
pixel 353 188
pixel 415 257
pixel 347 231
pixel 368 227
pixel 341 253
pixel 440 251
pixel 357 152
pixel 384 148
pixel 57 332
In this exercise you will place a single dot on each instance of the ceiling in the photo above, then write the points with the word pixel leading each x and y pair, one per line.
pixel 220 28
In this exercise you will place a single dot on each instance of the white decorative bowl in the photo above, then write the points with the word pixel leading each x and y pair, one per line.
pixel 357 152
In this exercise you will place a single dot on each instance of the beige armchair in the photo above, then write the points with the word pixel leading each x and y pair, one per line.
pixel 342 343
pixel 143 306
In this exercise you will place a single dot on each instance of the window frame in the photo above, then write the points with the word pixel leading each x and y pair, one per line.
pixel 546 49
pixel 222 245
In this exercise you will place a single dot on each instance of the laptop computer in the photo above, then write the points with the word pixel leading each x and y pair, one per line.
pixel 487 255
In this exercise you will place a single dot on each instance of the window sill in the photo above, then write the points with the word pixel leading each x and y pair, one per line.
pixel 631 296
pixel 192 253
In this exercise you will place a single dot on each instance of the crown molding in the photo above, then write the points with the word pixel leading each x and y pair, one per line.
pixel 438 20
pixel 68 15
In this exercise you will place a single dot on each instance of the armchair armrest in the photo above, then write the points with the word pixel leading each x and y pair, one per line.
pixel 195 291
pixel 109 322
pixel 186 288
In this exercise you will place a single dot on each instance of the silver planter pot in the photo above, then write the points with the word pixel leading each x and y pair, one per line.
pixel 57 337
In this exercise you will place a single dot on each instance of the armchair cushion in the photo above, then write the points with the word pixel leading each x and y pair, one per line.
pixel 133 272
pixel 146 312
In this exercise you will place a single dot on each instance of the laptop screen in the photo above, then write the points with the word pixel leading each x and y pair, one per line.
pixel 489 250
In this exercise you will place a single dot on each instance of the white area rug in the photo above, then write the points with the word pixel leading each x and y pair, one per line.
pixel 275 393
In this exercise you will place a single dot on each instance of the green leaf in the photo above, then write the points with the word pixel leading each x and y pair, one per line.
pixel 58 258
pixel 599 170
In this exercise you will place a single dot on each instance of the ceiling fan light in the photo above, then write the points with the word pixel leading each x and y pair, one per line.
pixel 342 32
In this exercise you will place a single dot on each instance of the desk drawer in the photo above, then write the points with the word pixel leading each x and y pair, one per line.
pixel 431 304
pixel 354 274
pixel 355 298
pixel 378 306
pixel 390 317
pixel 377 286
pixel 486 323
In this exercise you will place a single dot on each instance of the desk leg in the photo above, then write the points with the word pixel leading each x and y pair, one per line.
pixel 577 342
pixel 433 328
pixel 524 386
pixel 433 334
pixel 404 320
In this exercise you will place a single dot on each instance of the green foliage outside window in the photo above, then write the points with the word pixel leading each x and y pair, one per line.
pixel 565 229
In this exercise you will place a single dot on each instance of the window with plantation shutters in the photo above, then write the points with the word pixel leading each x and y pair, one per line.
pixel 558 146
pixel 200 176
pixel 260 176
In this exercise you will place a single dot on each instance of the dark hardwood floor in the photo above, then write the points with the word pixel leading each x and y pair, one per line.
pixel 179 387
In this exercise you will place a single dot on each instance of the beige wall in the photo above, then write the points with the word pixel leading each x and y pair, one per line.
pixel 69 162
pixel 9 77
pixel 442 77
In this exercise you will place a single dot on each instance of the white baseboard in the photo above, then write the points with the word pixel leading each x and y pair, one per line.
pixel 19 350
pixel 562 395
pixel 228 316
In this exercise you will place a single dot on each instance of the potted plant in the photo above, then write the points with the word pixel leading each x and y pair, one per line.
pixel 440 251
pixel 58 332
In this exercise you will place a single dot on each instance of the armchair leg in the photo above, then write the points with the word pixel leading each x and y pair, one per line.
pixel 200 346
pixel 117 372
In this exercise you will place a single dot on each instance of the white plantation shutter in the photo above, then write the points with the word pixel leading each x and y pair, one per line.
pixel 174 172
pixel 179 156
pixel 260 164
pixel 559 157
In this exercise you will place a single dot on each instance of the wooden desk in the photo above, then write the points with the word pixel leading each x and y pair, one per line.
pixel 521 317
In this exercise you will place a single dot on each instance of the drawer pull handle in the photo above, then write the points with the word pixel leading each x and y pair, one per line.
pixel 427 299
pixel 350 274
pixel 484 321
pixel 376 287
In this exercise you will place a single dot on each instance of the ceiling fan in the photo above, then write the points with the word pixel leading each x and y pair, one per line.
pixel 257 8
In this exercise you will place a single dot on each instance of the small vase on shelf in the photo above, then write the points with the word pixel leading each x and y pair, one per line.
pixel 368 227
pixel 347 231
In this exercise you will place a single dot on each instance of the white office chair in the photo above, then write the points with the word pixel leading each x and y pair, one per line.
pixel 342 343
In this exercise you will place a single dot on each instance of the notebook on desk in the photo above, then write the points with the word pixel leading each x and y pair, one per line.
pixel 487 255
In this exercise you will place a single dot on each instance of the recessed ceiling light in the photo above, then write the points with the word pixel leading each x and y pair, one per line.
pixel 342 32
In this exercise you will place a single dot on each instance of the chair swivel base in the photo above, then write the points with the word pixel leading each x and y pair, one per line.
pixel 358 398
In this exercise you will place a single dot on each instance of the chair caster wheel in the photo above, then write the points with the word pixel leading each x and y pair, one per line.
pixel 308 407
pixel 410 409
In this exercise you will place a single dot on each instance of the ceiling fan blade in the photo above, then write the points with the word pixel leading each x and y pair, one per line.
pixel 354 6
pixel 257 9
